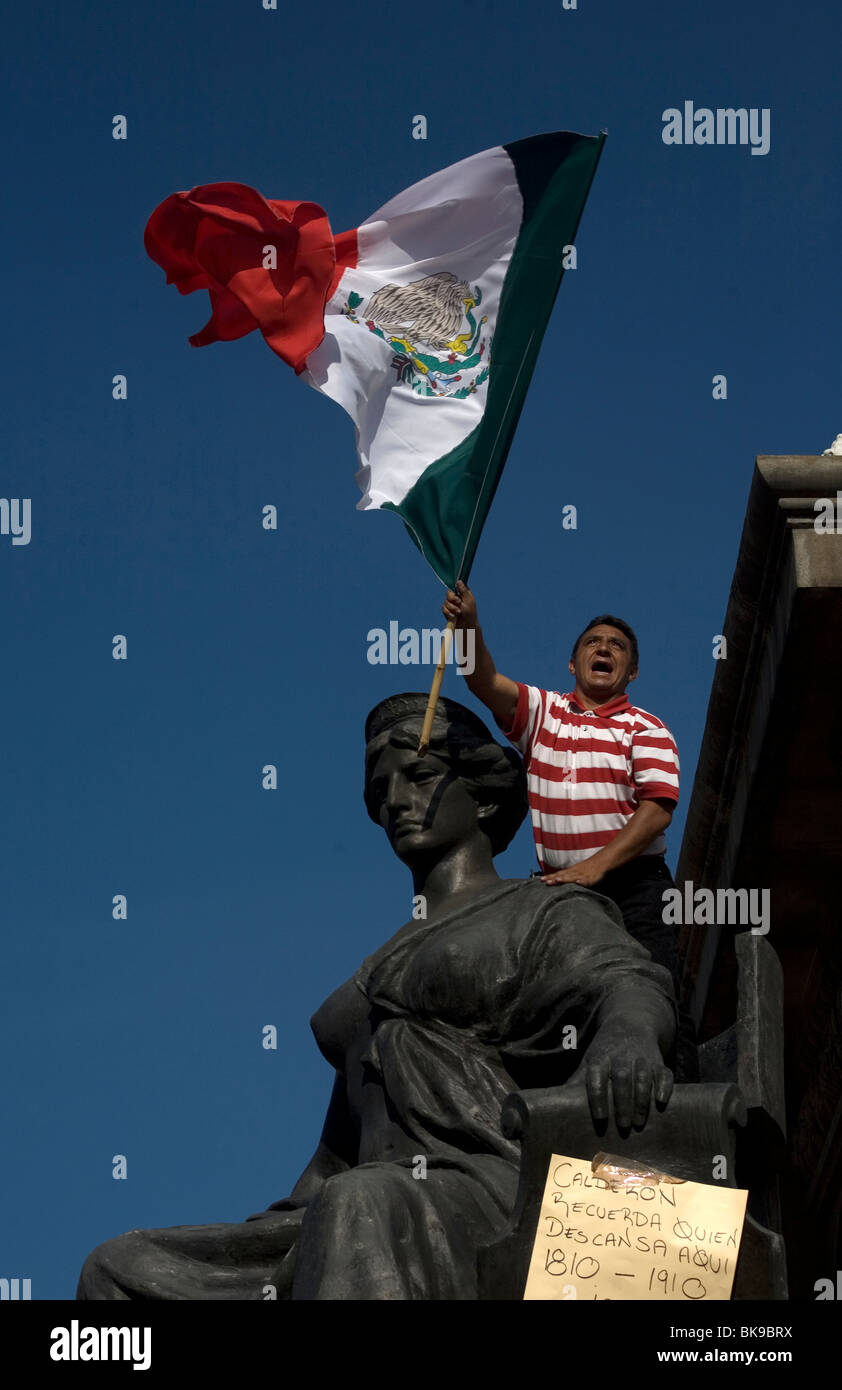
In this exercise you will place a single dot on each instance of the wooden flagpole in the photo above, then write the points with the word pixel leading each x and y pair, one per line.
pixel 424 741
pixel 426 727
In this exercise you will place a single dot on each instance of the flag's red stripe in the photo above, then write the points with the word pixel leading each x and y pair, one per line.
pixel 216 237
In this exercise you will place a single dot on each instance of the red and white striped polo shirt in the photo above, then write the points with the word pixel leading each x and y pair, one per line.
pixel 588 771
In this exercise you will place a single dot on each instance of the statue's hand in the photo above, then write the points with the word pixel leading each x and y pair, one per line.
pixel 630 1063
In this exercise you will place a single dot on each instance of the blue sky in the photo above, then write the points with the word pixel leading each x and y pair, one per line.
pixel 248 647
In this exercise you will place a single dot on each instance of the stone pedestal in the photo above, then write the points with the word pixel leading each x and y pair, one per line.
pixel 766 813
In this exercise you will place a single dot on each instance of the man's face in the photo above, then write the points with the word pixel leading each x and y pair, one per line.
pixel 603 663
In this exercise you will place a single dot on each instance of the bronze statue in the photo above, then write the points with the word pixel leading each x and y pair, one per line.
pixel 458 1009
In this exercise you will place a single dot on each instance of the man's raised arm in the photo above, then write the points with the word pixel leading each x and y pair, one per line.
pixel 497 693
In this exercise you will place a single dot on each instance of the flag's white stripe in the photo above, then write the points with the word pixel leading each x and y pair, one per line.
pixel 465 220
pixel 470 208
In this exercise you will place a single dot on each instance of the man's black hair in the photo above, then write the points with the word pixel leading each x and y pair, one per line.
pixel 609 620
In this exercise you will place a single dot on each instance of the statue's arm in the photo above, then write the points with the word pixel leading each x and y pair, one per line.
pixel 337 1149
pixel 635 1030
pixel 639 1011
pixel 581 965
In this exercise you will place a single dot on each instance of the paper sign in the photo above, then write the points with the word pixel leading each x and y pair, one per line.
pixel 612 1232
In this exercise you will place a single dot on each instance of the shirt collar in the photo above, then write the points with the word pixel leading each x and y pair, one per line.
pixel 618 705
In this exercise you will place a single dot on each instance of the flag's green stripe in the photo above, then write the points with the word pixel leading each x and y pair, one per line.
pixel 444 511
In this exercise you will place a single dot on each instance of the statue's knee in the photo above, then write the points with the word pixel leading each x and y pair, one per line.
pixel 364 1189
pixel 100 1276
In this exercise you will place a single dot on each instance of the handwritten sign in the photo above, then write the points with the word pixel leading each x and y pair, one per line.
pixel 611 1232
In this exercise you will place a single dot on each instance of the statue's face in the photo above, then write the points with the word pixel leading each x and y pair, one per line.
pixel 424 807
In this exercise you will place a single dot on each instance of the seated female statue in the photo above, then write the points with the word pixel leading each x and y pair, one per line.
pixel 505 984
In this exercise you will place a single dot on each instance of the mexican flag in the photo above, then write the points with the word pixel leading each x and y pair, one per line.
pixel 424 322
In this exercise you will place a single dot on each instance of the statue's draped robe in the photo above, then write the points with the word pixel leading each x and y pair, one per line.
pixel 428 1038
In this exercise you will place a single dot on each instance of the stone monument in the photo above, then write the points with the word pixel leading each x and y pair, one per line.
pixel 413 1176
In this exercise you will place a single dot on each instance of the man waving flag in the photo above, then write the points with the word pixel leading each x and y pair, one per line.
pixel 424 322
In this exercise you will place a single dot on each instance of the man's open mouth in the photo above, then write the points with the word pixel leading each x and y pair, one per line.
pixel 602 666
